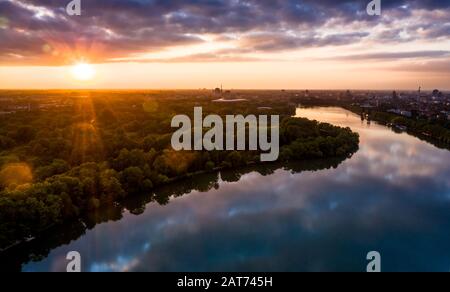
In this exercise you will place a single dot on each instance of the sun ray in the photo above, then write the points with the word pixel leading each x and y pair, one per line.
pixel 86 139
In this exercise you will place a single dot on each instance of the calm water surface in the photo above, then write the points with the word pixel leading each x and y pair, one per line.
pixel 393 196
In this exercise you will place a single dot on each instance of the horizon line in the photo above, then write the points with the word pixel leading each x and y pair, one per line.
pixel 211 89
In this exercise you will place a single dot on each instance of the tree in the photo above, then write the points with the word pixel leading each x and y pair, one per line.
pixel 161 166
pixel 24 134
pixel 6 143
pixel 132 178
pixel 58 166
pixel 110 186
pixel 209 166
pixel 235 159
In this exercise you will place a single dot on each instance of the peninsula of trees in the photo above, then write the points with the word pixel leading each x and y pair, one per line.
pixel 65 154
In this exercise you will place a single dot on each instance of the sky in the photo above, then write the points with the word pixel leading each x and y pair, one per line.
pixel 242 44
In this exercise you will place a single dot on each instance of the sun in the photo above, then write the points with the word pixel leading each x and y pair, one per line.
pixel 83 71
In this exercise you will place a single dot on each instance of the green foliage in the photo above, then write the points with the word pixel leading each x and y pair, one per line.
pixel 320 141
pixel 58 166
pixel 209 166
pixel 6 143
pixel 102 149
pixel 24 134
pixel 132 178
pixel 437 130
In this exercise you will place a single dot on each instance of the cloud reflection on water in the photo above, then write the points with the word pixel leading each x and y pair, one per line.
pixel 392 196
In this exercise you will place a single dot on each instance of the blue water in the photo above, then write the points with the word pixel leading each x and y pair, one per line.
pixel 392 196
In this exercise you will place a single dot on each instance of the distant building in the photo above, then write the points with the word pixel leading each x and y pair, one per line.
pixel 3 113
pixel 349 94
pixel 394 95
pixel 407 114
pixel 437 95
pixel 404 113
pixel 394 111
pixel 218 90
pixel 446 115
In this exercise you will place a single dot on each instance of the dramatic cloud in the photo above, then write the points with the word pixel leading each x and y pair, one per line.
pixel 278 41
pixel 396 55
pixel 40 32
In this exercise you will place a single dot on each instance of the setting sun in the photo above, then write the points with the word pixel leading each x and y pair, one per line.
pixel 83 71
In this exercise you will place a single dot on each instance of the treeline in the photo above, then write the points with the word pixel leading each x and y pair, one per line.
pixel 438 131
pixel 434 131
pixel 304 139
pixel 107 149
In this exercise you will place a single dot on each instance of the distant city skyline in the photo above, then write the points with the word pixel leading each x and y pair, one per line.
pixel 278 44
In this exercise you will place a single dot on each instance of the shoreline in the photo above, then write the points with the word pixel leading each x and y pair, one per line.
pixel 170 182
pixel 426 137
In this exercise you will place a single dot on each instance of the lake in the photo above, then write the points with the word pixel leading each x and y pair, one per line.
pixel 392 196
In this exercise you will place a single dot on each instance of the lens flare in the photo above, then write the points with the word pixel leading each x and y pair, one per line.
pixel 15 174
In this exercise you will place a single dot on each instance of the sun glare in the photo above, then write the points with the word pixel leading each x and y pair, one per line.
pixel 83 72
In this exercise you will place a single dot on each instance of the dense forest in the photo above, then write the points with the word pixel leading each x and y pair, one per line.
pixel 64 155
